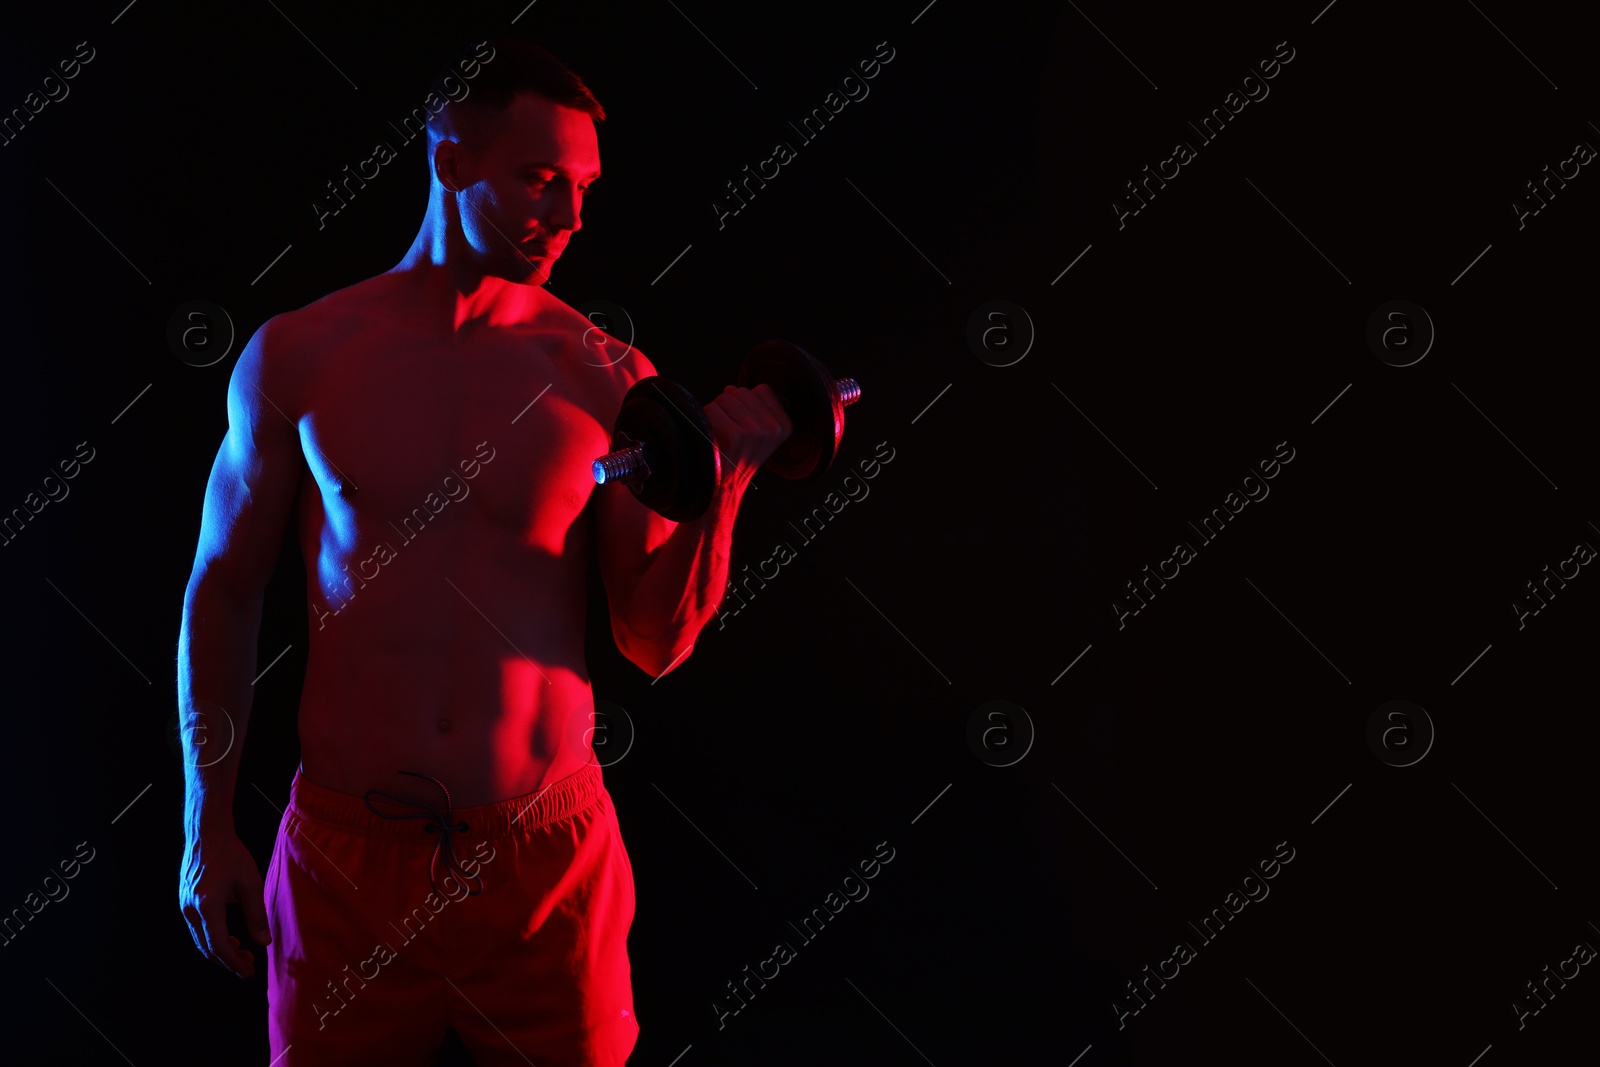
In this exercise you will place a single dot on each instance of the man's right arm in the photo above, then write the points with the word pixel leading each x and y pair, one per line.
pixel 248 502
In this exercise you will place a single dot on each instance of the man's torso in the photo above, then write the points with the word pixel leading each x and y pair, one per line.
pixel 443 525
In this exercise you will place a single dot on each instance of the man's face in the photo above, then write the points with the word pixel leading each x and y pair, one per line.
pixel 526 187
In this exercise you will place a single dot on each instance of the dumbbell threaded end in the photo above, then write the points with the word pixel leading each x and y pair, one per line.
pixel 619 465
pixel 849 390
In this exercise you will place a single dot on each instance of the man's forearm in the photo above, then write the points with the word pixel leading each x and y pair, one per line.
pixel 678 593
pixel 216 660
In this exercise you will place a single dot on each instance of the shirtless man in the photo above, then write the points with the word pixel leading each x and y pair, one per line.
pixel 449 856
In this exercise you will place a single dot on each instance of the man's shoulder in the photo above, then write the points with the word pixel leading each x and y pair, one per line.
pixel 339 310
pixel 605 335
pixel 295 338
pixel 287 348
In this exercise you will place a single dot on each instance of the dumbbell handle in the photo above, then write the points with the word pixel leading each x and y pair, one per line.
pixel 628 462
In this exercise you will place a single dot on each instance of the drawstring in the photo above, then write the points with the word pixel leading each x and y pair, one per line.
pixel 443 826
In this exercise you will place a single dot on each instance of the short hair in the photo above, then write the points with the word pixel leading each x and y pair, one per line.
pixel 514 66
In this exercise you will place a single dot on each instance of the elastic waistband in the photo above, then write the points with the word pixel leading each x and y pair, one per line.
pixel 558 800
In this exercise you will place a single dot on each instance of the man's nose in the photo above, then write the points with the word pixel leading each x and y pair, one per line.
pixel 565 211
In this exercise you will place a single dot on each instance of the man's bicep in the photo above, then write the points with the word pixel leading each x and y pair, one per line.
pixel 627 535
pixel 251 490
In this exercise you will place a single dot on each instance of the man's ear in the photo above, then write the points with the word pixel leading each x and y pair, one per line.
pixel 447 161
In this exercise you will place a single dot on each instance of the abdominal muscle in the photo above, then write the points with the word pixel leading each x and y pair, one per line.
pixel 478 680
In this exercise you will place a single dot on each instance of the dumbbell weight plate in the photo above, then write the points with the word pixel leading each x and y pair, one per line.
pixel 806 389
pixel 683 461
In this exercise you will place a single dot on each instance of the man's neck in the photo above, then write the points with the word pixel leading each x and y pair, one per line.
pixel 457 297
pixel 449 283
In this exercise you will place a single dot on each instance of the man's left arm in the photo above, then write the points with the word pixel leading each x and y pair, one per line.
pixel 664 580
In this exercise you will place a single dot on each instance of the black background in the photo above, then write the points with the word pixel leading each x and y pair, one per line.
pixel 1222 720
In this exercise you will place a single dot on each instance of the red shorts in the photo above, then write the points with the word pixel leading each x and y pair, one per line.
pixel 372 957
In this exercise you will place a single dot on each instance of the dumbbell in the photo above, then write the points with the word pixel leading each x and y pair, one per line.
pixel 662 446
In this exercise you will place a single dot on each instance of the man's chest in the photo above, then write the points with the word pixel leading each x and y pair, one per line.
pixel 500 430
